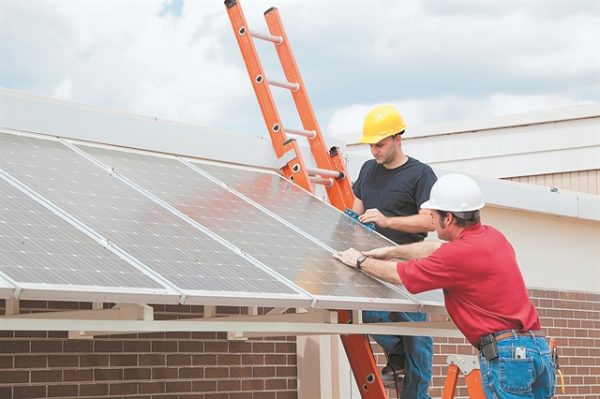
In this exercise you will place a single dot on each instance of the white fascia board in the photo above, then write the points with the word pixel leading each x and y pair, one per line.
pixel 540 163
pixel 26 112
pixel 514 151
pixel 579 112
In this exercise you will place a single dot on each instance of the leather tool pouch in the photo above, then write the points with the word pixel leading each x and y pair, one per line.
pixel 488 347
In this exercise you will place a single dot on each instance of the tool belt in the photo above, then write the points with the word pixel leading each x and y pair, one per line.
pixel 488 342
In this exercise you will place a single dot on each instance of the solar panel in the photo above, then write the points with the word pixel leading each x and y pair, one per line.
pixel 195 263
pixel 256 233
pixel 310 214
pixel 41 251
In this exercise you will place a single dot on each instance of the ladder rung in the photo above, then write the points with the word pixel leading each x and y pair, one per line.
pixel 285 85
pixel 321 180
pixel 311 134
pixel 267 37
pixel 325 172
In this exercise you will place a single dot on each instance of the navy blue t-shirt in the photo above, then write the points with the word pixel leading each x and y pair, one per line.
pixel 395 192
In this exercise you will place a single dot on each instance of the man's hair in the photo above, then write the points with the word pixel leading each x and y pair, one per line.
pixel 463 219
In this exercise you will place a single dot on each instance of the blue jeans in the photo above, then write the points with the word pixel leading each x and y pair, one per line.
pixel 507 377
pixel 417 350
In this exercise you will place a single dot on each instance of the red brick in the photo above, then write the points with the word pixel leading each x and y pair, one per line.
pixel 108 346
pixel 123 360
pixel 63 361
pixel 126 388
pixel 191 346
pixel 46 375
pixel 263 371
pixel 204 386
pixel 8 362
pixel 240 372
pixel 179 386
pixel 31 362
pixel 204 359
pixel 179 360
pixel 108 374
pixel 164 373
pixel 228 385
pixel 63 390
pixel 164 346
pixel 13 377
pixel 191 372
pixel 28 392
pixel 216 372
pixel 46 346
pixel 137 373
pixel 12 346
pixel 253 385
pixel 152 387
pixel 78 375
pixel 152 360
pixel 78 345
pixel 136 346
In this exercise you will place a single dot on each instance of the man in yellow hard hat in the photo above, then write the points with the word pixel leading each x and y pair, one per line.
pixel 389 192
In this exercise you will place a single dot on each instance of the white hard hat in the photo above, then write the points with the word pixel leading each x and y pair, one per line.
pixel 455 193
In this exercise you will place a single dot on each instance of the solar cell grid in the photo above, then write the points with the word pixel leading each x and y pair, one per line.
pixel 163 242
pixel 274 244
pixel 293 204
pixel 39 247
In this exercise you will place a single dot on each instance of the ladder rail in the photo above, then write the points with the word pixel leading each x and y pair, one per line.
pixel 340 194
pixel 294 167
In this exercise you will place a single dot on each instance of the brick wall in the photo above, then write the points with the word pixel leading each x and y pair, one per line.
pixel 207 366
pixel 156 365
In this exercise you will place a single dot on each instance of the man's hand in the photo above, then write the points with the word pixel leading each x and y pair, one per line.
pixel 375 216
pixel 348 257
pixel 379 253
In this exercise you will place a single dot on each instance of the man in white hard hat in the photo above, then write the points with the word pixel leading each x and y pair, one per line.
pixel 484 291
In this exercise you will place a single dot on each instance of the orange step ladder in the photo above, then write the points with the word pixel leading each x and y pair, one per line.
pixel 469 366
pixel 331 169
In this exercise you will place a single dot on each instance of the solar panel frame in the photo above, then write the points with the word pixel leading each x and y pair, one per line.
pixel 287 297
pixel 6 289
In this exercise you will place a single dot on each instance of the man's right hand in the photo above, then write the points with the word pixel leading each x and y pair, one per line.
pixel 379 253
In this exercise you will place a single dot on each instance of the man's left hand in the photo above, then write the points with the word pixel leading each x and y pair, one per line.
pixel 375 216
pixel 348 257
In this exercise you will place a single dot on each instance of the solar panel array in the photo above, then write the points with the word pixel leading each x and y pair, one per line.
pixel 139 222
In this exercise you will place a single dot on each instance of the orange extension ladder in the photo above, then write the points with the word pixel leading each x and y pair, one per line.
pixel 331 170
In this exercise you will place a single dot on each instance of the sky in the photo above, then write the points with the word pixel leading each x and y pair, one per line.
pixel 436 61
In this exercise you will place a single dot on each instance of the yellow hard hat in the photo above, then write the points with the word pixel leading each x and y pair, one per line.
pixel 381 122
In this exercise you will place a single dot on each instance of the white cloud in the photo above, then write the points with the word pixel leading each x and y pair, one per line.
pixel 436 60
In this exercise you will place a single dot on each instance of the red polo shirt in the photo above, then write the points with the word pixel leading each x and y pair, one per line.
pixel 484 291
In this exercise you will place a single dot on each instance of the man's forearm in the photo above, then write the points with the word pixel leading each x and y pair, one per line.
pixel 415 250
pixel 419 223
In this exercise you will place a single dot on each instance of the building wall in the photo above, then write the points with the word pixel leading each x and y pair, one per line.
pixel 207 366
pixel 157 365
pixel 585 181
